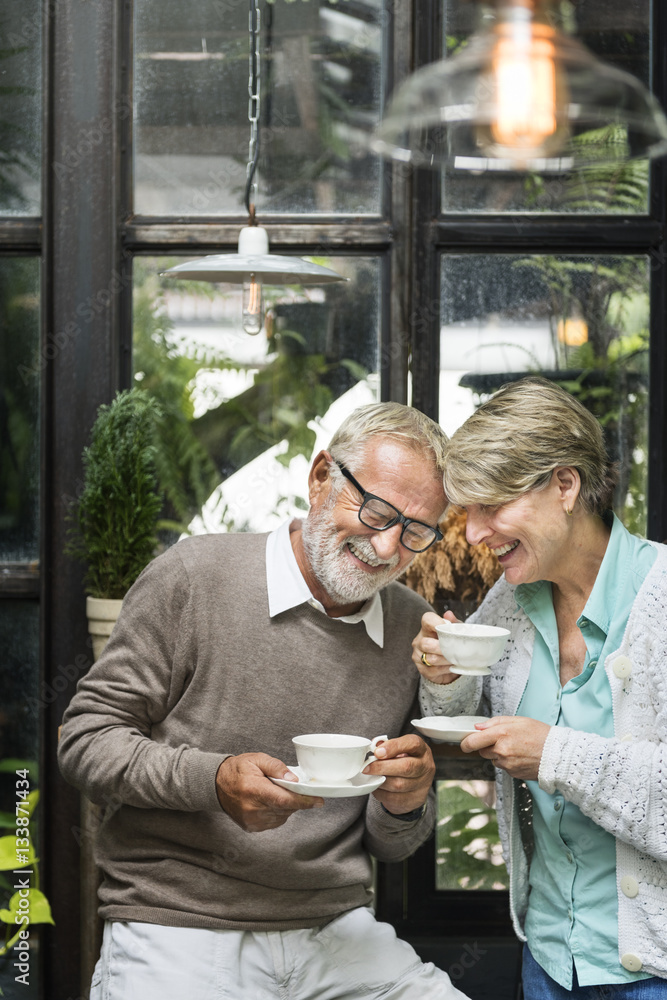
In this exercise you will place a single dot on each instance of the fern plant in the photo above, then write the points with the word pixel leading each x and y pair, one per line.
pixel 115 519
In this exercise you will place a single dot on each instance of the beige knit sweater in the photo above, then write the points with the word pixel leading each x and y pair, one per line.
pixel 195 670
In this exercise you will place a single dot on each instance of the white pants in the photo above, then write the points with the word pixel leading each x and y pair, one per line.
pixel 353 957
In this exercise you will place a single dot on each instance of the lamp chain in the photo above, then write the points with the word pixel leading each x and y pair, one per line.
pixel 253 108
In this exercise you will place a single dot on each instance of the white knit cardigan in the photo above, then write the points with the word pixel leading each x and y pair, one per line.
pixel 619 782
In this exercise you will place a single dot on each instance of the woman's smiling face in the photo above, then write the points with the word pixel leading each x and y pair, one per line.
pixel 528 535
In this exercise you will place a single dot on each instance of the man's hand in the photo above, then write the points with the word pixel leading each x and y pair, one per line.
pixel 436 668
pixel 250 799
pixel 512 742
pixel 408 764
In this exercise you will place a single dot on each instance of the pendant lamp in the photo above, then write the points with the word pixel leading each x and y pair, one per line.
pixel 521 96
pixel 253 265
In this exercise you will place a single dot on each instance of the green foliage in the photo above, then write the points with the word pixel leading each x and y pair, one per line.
pixel 611 367
pixel 166 369
pixel 19 399
pixel 467 841
pixel 620 186
pixel 116 515
pixel 294 384
pixel 294 394
pixel 17 143
pixel 619 399
pixel 601 290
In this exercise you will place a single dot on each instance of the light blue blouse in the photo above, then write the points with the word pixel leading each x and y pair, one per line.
pixel 572 909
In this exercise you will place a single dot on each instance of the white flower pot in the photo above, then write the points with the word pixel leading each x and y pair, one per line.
pixel 102 614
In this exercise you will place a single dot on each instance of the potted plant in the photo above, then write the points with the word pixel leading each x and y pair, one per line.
pixel 115 517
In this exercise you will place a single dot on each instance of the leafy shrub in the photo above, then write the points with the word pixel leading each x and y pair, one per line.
pixel 116 515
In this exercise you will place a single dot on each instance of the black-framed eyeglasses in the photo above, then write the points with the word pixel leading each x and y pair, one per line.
pixel 380 514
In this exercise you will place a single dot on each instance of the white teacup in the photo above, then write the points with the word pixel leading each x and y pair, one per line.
pixel 334 757
pixel 471 649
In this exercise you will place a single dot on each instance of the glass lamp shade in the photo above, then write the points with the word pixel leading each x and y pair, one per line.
pixel 253 261
pixel 521 96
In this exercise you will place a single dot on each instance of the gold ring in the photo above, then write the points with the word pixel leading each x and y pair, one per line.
pixel 425 661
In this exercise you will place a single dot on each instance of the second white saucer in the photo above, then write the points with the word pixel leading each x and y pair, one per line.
pixel 449 729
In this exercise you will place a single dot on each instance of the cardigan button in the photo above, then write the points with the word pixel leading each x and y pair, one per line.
pixel 622 667
pixel 629 886
pixel 632 963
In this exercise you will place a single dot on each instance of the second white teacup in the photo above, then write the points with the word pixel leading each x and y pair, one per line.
pixel 471 649
pixel 334 757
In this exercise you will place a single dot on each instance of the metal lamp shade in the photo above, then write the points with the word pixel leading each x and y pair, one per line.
pixel 273 269
pixel 253 261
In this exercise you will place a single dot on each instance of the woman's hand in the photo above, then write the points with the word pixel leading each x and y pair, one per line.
pixel 512 742
pixel 436 668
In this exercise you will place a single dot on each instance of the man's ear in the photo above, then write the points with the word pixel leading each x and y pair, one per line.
pixel 319 479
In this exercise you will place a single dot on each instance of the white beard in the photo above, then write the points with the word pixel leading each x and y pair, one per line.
pixel 341 579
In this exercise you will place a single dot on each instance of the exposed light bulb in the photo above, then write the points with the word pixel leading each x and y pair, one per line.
pixel 252 266
pixel 253 305
pixel 527 90
pixel 572 332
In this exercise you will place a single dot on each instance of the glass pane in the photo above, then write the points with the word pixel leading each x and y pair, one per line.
pixel 20 106
pixel 618 32
pixel 581 321
pixel 20 368
pixel 468 853
pixel 19 779
pixel 251 411
pixel 320 80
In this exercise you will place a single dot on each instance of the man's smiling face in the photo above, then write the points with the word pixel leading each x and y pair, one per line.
pixel 349 560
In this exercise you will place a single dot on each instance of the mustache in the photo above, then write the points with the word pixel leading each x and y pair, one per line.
pixel 363 545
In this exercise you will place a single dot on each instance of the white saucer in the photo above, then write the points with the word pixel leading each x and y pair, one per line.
pixel 361 784
pixel 449 729
pixel 470 671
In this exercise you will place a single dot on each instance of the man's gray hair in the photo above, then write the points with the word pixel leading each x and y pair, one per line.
pixel 404 424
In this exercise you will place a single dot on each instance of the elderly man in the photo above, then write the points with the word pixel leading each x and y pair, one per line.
pixel 218 882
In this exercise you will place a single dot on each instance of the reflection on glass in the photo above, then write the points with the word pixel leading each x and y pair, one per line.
pixel 622 39
pixel 468 852
pixel 582 321
pixel 20 368
pixel 19 753
pixel 320 93
pixel 249 412
pixel 20 107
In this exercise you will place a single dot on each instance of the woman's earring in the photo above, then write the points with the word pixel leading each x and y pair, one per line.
pixel 568 511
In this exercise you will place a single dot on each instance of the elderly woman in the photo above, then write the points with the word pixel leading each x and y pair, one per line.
pixel 578 700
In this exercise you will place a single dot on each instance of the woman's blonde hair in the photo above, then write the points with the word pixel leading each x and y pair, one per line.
pixel 405 424
pixel 512 443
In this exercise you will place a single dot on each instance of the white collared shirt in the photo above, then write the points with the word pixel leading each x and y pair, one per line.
pixel 287 588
